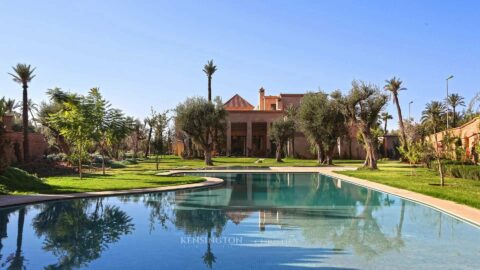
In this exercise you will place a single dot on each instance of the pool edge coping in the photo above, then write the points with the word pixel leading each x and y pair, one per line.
pixel 18 200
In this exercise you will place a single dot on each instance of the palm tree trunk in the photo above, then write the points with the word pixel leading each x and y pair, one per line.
pixel 400 122
pixel 454 117
pixel 26 145
pixel 209 88
pixel 385 127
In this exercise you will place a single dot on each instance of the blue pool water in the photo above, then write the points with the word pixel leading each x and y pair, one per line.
pixel 252 221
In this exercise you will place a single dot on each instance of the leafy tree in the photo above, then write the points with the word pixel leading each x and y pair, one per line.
pixel 323 123
pixel 109 124
pixel 394 85
pixel 201 120
pixel 385 116
pixel 209 69
pixel 455 100
pixel 23 74
pixel 362 106
pixel 281 131
pixel 149 121
pixel 75 121
pixel 160 123
pixel 432 117
pixel 53 136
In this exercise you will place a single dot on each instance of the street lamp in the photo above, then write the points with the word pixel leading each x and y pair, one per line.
pixel 449 77
pixel 409 115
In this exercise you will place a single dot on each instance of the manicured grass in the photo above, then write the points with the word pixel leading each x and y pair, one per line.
pixel 142 175
pixel 399 175
pixel 174 162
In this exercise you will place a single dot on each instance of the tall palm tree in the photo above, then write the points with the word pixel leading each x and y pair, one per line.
pixel 455 100
pixel 432 117
pixel 394 85
pixel 385 116
pixel 209 69
pixel 23 74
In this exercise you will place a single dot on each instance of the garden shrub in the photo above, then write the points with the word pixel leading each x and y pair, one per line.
pixel 463 171
pixel 117 165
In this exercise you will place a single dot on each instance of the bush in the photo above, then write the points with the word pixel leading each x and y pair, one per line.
pixel 17 180
pixel 129 161
pixel 117 165
pixel 56 157
pixel 463 171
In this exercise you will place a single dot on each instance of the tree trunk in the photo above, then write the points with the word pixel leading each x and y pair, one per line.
pixel 80 160
pixel 278 152
pixel 21 221
pixel 400 122
pixel 371 159
pixel 26 143
pixel 440 169
pixel 385 127
pixel 103 162
pixel 209 88
pixel 147 149
pixel 319 153
pixel 208 156
pixel 329 155
pixel 454 117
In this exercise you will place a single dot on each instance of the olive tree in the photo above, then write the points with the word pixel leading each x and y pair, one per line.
pixel 282 130
pixel 323 123
pixel 362 107
pixel 201 120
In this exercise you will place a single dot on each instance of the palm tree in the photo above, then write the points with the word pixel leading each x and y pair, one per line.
pixel 455 100
pixel 11 105
pixel 209 69
pixel 432 117
pixel 385 117
pixel 23 74
pixel 394 85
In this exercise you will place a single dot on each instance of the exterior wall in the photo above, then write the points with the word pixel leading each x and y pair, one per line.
pixel 38 145
pixel 468 133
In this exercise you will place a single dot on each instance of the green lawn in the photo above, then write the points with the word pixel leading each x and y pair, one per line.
pixel 399 175
pixel 142 175
pixel 174 162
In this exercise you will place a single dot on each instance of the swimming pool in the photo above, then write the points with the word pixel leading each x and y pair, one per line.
pixel 253 221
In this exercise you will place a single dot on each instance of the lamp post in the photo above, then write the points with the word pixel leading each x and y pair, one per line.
pixel 409 115
pixel 449 77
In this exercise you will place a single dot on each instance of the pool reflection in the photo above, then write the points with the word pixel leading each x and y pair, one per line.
pixel 287 220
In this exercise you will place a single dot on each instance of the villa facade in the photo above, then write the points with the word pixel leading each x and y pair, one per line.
pixel 248 128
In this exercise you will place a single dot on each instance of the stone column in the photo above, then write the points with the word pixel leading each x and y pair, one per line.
pixel 249 138
pixel 229 138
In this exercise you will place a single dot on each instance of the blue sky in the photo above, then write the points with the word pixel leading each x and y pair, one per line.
pixel 151 53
